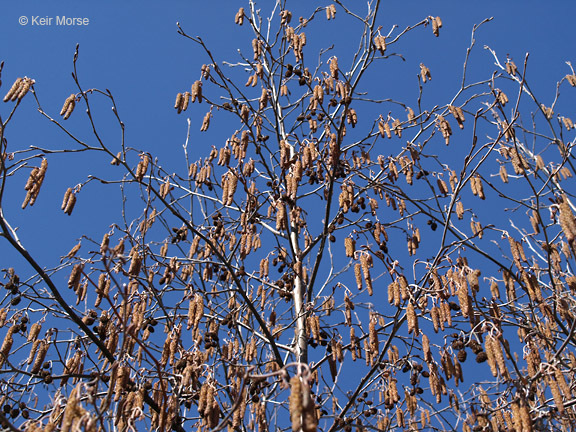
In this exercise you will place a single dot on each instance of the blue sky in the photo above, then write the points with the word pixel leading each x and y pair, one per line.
pixel 133 49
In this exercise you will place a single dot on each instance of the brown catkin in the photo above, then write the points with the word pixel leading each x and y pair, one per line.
pixel 380 43
pixel 366 263
pixel 74 250
pixel 75 275
pixel 349 306
pixel 285 17
pixel 373 334
pixel 458 114
pixel 69 201
pixel 384 129
pixel 472 278
pixel 185 101
pixel 473 186
pixel 24 87
pixel 135 263
pixel 412 319
pixel 350 246
pixel 567 221
pixel 460 209
pixel 309 417
pixel 103 288
pixel 516 251
pixel 463 297
pixel 479 188
pixel 68 106
pixel 116 160
pixel 447 365
pixel 13 90
pixel 353 344
pixel 368 354
pixel 499 356
pixel 548 112
pixel 196 91
pixel 556 394
pixel 72 410
pixel 491 354
pixel 392 287
pixel 330 12
pixel 142 167
pixel 34 183
pixel 352 117
pixel 239 18
pixel 511 67
pixel 426 348
pixel 444 127
pixel 435 317
pixel 281 218
pixel 446 313
pixel 34 331
pixel 497 420
pixel 70 204
pixel 6 345
pixel 40 356
pixel 264 267
pixel 503 174
pixel 525 418
pixel 265 96
pixel 202 400
pixel 494 290
pixel 502 98
pixel 295 401
pixel 206 122
pixel 178 102
pixel 400 417
pixel 403 287
pixel 436 25
pixel 518 162
pixel 33 351
pixel 411 116
pixel 358 275
pixel 71 366
pixel 198 309
pixel 425 73
pixel 314 326
pixel 442 187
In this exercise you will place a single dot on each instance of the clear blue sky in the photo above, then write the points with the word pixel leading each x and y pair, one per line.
pixel 132 48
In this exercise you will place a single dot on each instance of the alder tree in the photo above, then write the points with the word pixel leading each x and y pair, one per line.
pixel 343 261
